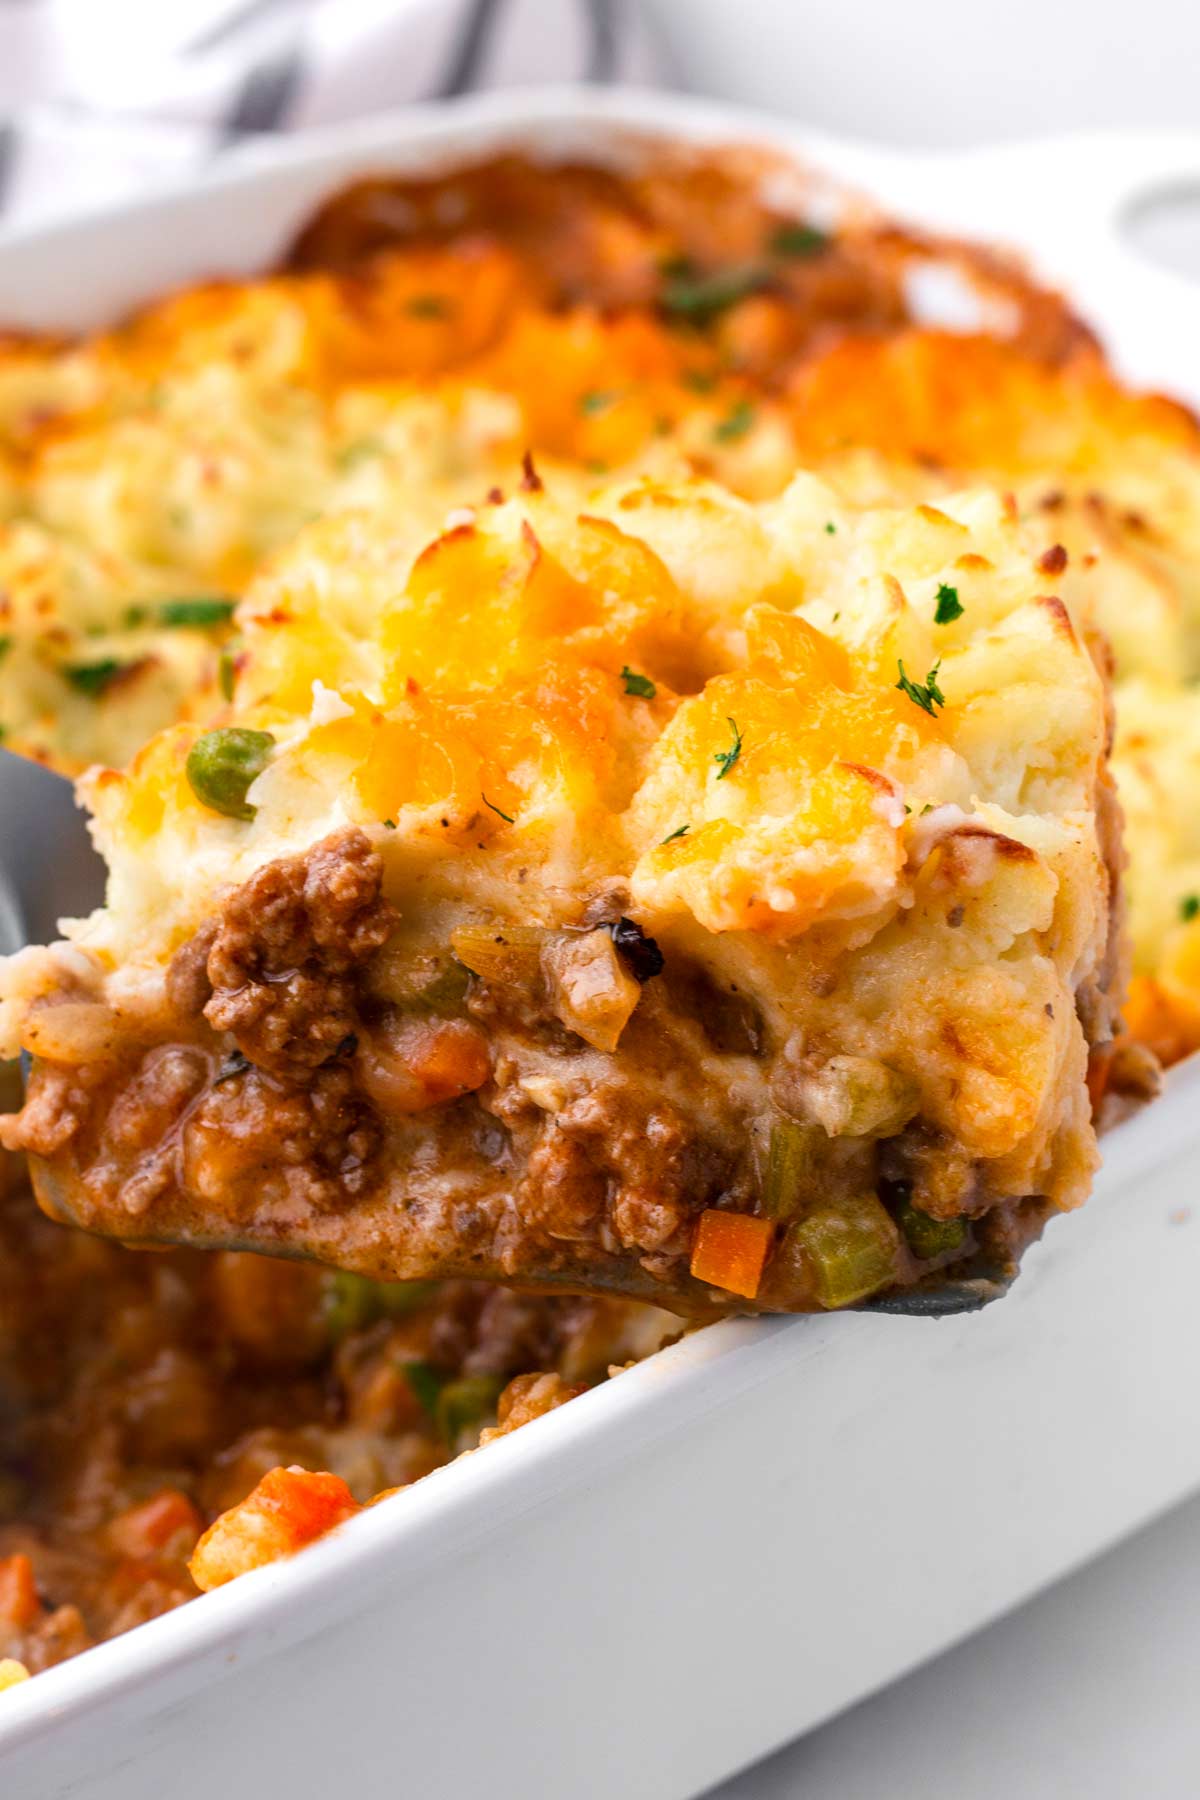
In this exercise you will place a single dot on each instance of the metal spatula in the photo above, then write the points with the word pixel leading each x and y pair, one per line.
pixel 48 867
pixel 49 870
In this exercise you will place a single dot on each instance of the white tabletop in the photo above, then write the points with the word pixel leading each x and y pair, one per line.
pixel 1088 1690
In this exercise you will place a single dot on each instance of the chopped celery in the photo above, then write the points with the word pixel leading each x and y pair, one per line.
pixel 466 1403
pixel 447 990
pixel 848 1249
pixel 791 1167
pixel 426 1383
pixel 928 1237
pixel 351 1302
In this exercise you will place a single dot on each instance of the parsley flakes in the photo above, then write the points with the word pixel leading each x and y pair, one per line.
pixel 595 401
pixel 735 424
pixel 727 758
pixel 798 239
pixel 699 298
pixel 201 610
pixel 927 694
pixel 949 606
pixel 427 306
pixel 679 831
pixel 93 678
pixel 1189 906
pixel 641 685
pixel 507 817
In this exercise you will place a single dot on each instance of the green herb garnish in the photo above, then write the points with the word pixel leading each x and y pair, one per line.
pixel 93 678
pixel 949 606
pixel 735 424
pixel 202 610
pixel 5 647
pixel 927 694
pixel 679 831
pixel 1189 906
pixel 797 239
pixel 727 758
pixel 389 824
pixel 507 817
pixel 227 670
pixel 830 527
pixel 595 401
pixel 427 306
pixel 363 450
pixel 641 685
pixel 701 298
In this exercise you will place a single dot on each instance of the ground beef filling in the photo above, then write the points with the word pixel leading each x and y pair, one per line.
pixel 487 1122
pixel 143 1395
pixel 282 965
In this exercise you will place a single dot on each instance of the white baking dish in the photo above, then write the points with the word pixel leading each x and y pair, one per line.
pixel 721 1547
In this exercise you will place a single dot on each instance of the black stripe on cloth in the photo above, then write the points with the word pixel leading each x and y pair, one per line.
pixel 9 148
pixel 602 56
pixel 469 48
pixel 268 89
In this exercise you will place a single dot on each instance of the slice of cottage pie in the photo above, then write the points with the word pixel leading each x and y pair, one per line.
pixel 691 899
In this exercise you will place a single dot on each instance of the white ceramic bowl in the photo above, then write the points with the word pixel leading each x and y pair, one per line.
pixel 717 1549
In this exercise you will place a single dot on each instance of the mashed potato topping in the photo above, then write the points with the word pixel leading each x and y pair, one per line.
pixel 148 475
pixel 841 765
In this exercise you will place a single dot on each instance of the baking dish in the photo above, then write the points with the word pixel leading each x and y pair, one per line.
pixel 738 1537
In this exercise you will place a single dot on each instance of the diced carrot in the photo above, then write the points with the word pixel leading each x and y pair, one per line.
pixel 449 1057
pixel 19 1603
pixel 730 1249
pixel 167 1519
pixel 288 1509
pixel 418 1063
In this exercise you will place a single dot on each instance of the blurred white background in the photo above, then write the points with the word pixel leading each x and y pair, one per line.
pixel 929 72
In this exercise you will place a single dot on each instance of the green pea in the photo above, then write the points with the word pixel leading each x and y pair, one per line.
pixel 222 764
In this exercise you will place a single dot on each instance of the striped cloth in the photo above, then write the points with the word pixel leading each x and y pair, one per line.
pixel 104 98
